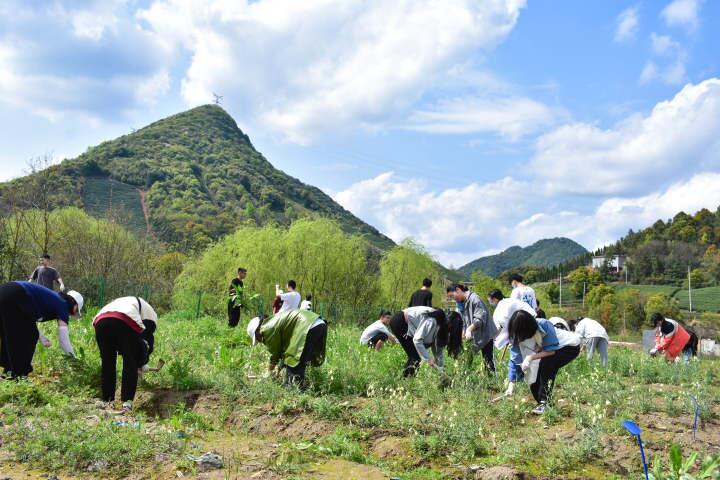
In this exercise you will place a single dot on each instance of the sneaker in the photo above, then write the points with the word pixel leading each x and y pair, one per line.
pixel 127 406
pixel 539 409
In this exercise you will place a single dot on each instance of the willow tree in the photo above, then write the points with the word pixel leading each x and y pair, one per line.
pixel 324 261
pixel 402 270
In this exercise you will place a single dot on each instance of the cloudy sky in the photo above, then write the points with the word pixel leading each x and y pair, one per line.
pixel 467 125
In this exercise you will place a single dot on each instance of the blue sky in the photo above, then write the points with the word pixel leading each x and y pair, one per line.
pixel 467 125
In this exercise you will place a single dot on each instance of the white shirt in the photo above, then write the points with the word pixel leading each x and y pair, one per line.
pixel 503 311
pixel 373 329
pixel 291 301
pixel 589 328
pixel 525 294
pixel 566 338
pixel 306 305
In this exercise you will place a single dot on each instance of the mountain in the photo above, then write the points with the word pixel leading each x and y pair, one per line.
pixel 547 252
pixel 188 180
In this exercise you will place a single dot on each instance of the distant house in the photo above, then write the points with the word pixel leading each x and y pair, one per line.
pixel 617 262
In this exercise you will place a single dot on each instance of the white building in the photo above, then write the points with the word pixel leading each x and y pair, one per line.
pixel 616 262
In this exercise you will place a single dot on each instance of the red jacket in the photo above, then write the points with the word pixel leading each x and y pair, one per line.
pixel 673 343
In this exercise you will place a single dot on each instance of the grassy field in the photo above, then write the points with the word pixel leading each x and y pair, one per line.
pixel 359 420
pixel 704 299
pixel 668 290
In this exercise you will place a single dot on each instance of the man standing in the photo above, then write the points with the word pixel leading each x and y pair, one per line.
pixel 291 299
pixel 522 292
pixel 479 327
pixel 422 297
pixel 235 302
pixel 46 275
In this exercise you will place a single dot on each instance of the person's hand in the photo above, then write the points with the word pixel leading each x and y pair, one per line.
pixel 510 389
pixel 469 333
pixel 45 341
pixel 526 363
pixel 432 363
pixel 653 351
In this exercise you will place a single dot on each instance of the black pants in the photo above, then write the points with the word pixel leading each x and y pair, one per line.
pixel 114 336
pixel 549 366
pixel 233 314
pixel 314 347
pixel 399 328
pixel 487 354
pixel 378 337
pixel 18 330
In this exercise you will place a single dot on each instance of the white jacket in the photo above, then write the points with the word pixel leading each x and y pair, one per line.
pixel 131 310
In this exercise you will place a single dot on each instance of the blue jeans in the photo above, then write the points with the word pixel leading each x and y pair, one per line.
pixel 515 373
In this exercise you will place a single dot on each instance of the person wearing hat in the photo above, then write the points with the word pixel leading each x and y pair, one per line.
pixel 125 326
pixel 295 339
pixel 22 305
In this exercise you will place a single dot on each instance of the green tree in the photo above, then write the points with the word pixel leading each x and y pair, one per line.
pixel 584 279
pixel 401 271
pixel 661 303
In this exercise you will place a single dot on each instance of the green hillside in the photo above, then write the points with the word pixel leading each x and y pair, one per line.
pixel 104 197
pixel 201 178
pixel 547 252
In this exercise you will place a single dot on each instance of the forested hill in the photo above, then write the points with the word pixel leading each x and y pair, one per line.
pixel 189 179
pixel 546 252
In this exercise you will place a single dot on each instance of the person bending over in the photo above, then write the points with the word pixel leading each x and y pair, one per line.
pixel 125 326
pixel 545 351
pixel 295 339
pixel 417 329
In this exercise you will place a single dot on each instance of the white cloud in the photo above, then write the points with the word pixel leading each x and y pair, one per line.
pixel 615 216
pixel 649 72
pixel 684 13
pixel 672 73
pixel 456 224
pixel 511 117
pixel 93 24
pixel 461 224
pixel 627 24
pixel 662 44
pixel 151 88
pixel 638 154
pixel 304 69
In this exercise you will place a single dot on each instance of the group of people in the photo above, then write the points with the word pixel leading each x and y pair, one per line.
pixel 125 327
pixel 296 337
pixel 539 347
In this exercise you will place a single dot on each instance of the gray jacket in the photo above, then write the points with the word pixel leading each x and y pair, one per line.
pixel 476 313
pixel 423 330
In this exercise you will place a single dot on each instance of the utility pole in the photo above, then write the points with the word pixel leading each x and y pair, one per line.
pixel 626 273
pixel 560 289
pixel 689 289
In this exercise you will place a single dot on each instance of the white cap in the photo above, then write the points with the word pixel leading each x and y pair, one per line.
pixel 78 299
pixel 252 328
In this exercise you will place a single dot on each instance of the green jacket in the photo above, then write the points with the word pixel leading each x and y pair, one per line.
pixel 284 336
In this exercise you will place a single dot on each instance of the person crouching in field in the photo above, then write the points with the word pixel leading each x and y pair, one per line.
pixel 417 329
pixel 504 310
pixel 377 334
pixel 672 339
pixel 295 339
pixel 537 339
pixel 125 326
pixel 22 305
pixel 479 329
pixel 594 337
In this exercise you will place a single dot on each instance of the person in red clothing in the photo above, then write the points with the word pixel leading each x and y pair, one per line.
pixel 670 338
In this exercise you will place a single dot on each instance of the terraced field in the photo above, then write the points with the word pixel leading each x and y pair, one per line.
pixel 104 197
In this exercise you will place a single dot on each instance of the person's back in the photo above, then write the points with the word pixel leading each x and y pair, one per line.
pixel 525 294
pixel 290 300
pixel 422 297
